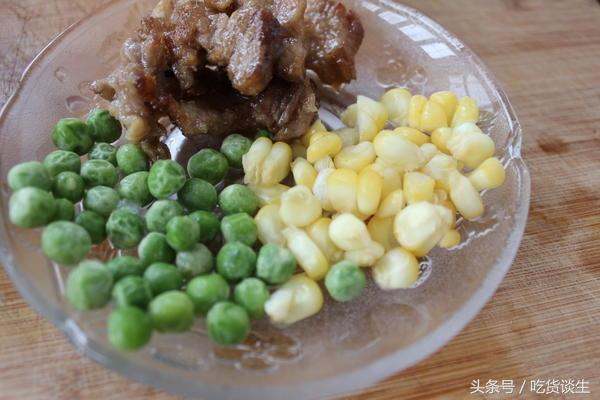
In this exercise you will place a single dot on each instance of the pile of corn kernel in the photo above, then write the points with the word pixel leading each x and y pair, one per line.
pixel 378 197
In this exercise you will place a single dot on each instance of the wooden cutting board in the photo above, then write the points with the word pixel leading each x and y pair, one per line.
pixel 544 321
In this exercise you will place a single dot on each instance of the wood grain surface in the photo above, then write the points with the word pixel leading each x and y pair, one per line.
pixel 544 321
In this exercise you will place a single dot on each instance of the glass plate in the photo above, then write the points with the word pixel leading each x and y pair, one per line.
pixel 346 346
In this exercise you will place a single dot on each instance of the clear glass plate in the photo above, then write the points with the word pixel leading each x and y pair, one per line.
pixel 346 346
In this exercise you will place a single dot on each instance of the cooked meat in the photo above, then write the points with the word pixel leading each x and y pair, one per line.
pixel 221 66
pixel 284 108
pixel 334 35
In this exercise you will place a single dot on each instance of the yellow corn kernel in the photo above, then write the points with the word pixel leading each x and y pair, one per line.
pixel 466 111
pixel 465 197
pixel 355 157
pixel 397 101
pixel 253 160
pixel 419 227
pixel 324 163
pixel 348 117
pixel 489 175
pixel 277 164
pixel 349 233
pixel 371 117
pixel 341 190
pixel 368 191
pixel 451 222
pixel 448 101
pixel 397 269
pixel 415 110
pixel 439 196
pixel 440 137
pixel 315 137
pixel 327 145
pixel 367 256
pixel 433 117
pixel 304 173
pixel 450 239
pixel 269 225
pixel 469 145
pixel 439 168
pixel 382 232
pixel 298 299
pixel 319 233
pixel 315 128
pixel 319 188
pixel 298 149
pixel 429 150
pixel 349 136
pixel 309 256
pixel 391 204
pixel 299 207
pixel 412 135
pixel 418 187
pixel 394 149
pixel 268 194
pixel 392 178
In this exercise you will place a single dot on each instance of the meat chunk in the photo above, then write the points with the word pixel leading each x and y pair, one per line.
pixel 334 35
pixel 221 66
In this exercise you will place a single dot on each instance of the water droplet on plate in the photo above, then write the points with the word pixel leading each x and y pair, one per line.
pixel 85 89
pixel 61 74
pixel 76 104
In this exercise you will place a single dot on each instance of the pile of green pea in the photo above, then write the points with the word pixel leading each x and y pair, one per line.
pixel 169 216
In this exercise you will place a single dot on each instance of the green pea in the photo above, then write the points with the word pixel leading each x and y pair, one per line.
pixel 197 194
pixel 172 311
pixel 154 248
pixel 209 165
pixel 99 173
pixel 196 261
pixel 104 151
pixel 160 213
pixel 125 266
pixel 163 277
pixel 104 127
pixel 275 265
pixel 31 207
pixel 239 228
pixel 133 291
pixel 65 210
pixel 166 178
pixel 124 228
pixel 238 199
pixel 252 294
pixel 94 224
pixel 227 323
pixel 129 328
pixel 65 242
pixel 182 233
pixel 263 133
pixel 29 174
pixel 209 224
pixel 207 290
pixel 101 199
pixel 131 158
pixel 72 134
pixel 68 185
pixel 345 281
pixel 236 261
pixel 234 147
pixel 60 161
pixel 134 187
pixel 89 285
